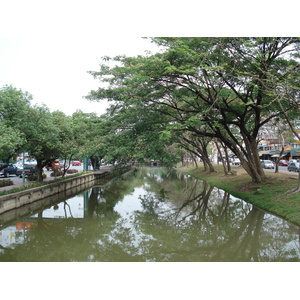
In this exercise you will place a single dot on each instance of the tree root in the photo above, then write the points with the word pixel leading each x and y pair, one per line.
pixel 293 191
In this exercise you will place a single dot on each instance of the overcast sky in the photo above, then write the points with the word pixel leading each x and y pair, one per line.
pixel 46 48
pixel 54 70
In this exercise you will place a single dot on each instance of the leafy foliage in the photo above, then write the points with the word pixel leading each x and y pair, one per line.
pixel 226 88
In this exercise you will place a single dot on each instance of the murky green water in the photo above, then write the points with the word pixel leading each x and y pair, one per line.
pixel 153 215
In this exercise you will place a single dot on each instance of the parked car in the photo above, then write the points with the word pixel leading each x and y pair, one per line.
pixel 19 164
pixel 283 162
pixel 54 165
pixel 294 166
pixel 8 169
pixel 31 161
pixel 236 162
pixel 293 161
pixel 76 163
pixel 29 169
pixel 267 164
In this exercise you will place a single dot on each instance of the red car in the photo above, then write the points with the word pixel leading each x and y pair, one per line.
pixel 283 162
pixel 76 163
pixel 54 165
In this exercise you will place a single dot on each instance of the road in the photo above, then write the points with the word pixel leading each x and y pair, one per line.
pixel 282 169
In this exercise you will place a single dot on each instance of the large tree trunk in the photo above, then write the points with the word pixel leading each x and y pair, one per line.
pixel 226 157
pixel 297 189
pixel 194 160
pixel 209 165
pixel 202 149
pixel 248 155
pixel 95 162
pixel 221 157
pixel 39 168
pixel 277 159
pixel 251 162
pixel 199 144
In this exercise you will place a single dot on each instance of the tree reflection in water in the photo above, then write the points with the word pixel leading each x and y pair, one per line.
pixel 159 215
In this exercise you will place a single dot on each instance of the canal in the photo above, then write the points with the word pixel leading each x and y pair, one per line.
pixel 152 214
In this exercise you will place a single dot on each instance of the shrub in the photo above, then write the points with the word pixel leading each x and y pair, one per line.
pixel 6 182
pixel 72 171
pixel 33 177
pixel 56 173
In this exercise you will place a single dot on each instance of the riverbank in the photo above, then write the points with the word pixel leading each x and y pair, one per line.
pixel 271 196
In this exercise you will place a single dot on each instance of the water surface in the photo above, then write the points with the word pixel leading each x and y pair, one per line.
pixel 153 215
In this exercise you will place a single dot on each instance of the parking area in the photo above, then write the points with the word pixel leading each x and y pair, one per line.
pixel 18 182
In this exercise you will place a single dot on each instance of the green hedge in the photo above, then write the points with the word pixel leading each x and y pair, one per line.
pixel 6 182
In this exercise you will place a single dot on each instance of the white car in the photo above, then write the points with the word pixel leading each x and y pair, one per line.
pixel 236 162
pixel 267 164
pixel 19 165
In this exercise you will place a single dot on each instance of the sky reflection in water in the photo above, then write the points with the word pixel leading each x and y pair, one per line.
pixel 153 215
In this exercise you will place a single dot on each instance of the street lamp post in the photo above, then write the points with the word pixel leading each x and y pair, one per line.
pixel 23 171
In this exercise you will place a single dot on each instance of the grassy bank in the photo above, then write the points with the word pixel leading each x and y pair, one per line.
pixel 270 196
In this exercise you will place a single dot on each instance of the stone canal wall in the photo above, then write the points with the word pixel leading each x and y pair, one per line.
pixel 16 200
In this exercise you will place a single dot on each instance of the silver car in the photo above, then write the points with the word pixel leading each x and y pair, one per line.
pixel 293 166
pixel 267 164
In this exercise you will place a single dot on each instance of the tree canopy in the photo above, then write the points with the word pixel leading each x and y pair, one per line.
pixel 224 88
pixel 192 92
pixel 44 135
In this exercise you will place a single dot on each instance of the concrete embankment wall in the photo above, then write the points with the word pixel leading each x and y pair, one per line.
pixel 23 198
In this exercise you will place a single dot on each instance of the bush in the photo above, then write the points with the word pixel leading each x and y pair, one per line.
pixel 72 171
pixel 56 173
pixel 33 177
pixel 6 182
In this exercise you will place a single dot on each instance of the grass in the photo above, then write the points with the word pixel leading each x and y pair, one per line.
pixel 271 196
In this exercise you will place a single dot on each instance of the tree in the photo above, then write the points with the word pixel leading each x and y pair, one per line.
pixel 222 84
pixel 90 131
pixel 43 137
pixel 67 135
pixel 34 129
pixel 14 105
pixel 196 146
pixel 49 136
pixel 11 139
